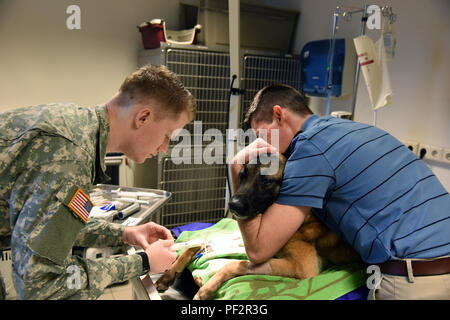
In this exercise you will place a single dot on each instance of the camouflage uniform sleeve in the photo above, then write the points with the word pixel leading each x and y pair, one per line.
pixel 45 230
pixel 77 278
pixel 99 234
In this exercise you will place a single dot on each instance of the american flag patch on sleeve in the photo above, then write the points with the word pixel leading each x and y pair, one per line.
pixel 81 205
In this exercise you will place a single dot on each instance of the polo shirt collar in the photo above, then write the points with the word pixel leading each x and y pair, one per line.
pixel 309 122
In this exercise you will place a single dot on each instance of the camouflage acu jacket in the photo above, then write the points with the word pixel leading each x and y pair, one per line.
pixel 47 153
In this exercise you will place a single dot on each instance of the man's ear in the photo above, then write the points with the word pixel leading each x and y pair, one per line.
pixel 278 114
pixel 142 117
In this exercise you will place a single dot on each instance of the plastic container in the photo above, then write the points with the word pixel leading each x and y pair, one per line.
pixel 155 32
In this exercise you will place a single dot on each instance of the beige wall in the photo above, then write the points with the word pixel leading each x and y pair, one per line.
pixel 420 109
pixel 42 61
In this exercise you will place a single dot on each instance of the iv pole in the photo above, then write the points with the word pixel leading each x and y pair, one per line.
pixel 330 63
pixel 336 14
pixel 355 84
pixel 386 11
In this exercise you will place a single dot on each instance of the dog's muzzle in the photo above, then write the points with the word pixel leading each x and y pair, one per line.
pixel 239 206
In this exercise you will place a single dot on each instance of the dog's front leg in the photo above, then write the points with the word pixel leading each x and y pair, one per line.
pixel 169 276
pixel 230 270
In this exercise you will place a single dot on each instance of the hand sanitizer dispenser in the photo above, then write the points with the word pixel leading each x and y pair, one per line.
pixel 315 57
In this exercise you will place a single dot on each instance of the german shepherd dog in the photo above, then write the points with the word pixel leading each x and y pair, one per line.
pixel 301 257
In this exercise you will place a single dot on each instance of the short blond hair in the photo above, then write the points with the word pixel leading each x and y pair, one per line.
pixel 158 83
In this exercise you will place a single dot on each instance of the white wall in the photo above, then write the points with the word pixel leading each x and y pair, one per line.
pixel 42 61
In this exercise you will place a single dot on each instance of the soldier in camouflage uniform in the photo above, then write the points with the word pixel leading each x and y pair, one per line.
pixel 48 153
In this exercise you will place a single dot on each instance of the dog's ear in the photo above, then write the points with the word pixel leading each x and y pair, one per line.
pixel 272 163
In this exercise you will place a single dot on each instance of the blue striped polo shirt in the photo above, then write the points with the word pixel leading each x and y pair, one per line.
pixel 370 189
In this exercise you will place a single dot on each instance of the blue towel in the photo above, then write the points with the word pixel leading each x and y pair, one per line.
pixel 190 227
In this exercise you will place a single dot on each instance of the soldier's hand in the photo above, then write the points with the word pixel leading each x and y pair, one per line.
pixel 146 234
pixel 161 255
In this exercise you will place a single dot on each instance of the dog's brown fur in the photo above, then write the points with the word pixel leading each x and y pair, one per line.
pixel 300 258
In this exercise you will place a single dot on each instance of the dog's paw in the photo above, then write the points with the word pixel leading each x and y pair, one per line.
pixel 164 282
pixel 161 286
pixel 204 294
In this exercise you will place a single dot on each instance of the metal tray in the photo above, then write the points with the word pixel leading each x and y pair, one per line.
pixel 146 211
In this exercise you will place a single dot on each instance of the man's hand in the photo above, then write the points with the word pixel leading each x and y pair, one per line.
pixel 161 255
pixel 252 151
pixel 146 234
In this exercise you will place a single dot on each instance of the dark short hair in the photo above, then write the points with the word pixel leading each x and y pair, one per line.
pixel 158 83
pixel 261 108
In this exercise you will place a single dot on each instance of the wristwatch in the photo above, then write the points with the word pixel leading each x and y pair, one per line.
pixel 145 263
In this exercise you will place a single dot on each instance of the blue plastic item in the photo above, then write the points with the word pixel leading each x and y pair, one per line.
pixel 190 227
pixel 315 57
pixel 360 293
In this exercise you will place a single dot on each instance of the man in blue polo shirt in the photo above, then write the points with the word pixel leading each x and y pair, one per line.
pixel 363 184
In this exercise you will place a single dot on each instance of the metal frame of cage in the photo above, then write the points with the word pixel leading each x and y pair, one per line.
pixel 199 189
pixel 261 70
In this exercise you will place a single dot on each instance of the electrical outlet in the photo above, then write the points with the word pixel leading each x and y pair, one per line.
pixel 429 152
pixel 446 155
pixel 435 153
pixel 424 150
pixel 411 145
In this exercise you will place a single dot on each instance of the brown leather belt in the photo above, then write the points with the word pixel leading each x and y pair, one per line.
pixel 419 268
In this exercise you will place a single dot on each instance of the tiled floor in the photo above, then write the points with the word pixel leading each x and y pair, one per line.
pixel 118 292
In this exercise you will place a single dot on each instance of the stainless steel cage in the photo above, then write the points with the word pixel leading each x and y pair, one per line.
pixel 261 70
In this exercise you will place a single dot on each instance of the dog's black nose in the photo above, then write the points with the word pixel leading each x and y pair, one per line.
pixel 239 206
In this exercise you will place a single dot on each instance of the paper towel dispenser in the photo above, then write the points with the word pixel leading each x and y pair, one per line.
pixel 315 57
